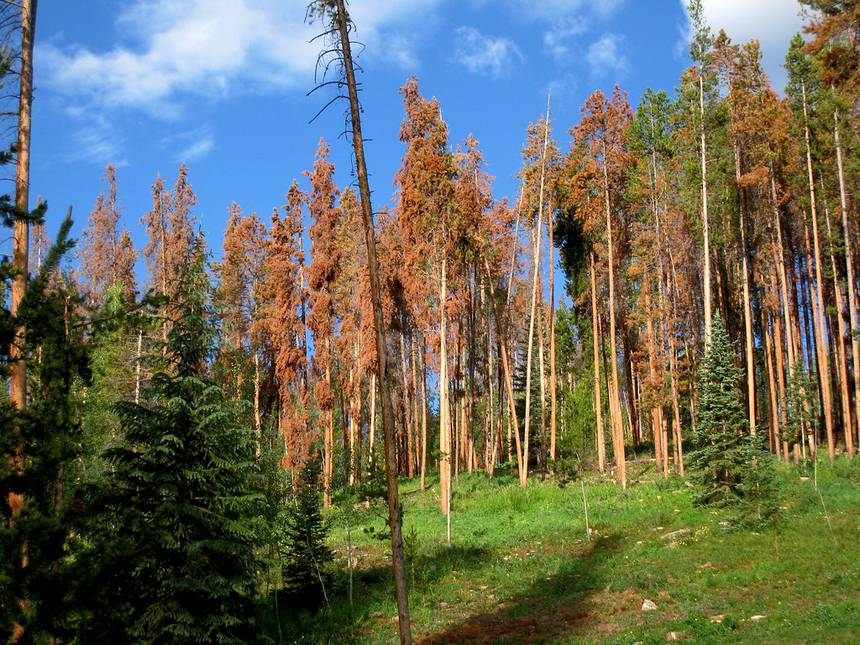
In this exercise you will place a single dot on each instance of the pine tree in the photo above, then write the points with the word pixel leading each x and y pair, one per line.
pixel 306 573
pixel 107 257
pixel 722 451
pixel 35 457
pixel 170 552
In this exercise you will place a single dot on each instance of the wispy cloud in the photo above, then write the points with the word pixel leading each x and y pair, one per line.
pixel 197 149
pixel 98 142
pixel 557 39
pixel 204 48
pixel 605 55
pixel 481 54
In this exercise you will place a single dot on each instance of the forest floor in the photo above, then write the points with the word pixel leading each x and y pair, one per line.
pixel 521 568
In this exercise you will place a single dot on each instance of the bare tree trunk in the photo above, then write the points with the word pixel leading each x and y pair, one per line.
pixel 841 367
pixel 748 330
pixel 328 443
pixel 849 269
pixel 705 226
pixel 258 425
pixel 416 412
pixel 490 464
pixel 542 372
pixel 21 231
pixel 819 298
pixel 444 423
pixel 614 403
pixel 371 432
pixel 509 387
pixel 773 421
pixel 407 411
pixel 552 375
pixel 598 405
pixel 423 425
pixel 137 360
pixel 394 510
pixel 532 310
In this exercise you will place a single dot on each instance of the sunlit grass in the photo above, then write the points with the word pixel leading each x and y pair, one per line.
pixel 522 567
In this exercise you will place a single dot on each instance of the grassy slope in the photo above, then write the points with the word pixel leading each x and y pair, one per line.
pixel 521 568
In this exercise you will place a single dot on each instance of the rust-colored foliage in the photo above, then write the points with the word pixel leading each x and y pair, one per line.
pixel 324 270
pixel 107 257
pixel 280 322
pixel 170 226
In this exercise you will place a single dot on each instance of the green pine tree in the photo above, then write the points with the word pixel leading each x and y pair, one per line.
pixel 38 444
pixel 720 456
pixel 306 573
pixel 172 555
pixel 729 465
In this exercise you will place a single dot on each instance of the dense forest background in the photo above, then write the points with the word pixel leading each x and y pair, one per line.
pixel 166 437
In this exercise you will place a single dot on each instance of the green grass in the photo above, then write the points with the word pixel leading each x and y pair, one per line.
pixel 521 569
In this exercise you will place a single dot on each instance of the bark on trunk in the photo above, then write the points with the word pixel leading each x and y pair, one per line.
pixel 614 402
pixel 849 270
pixel 598 405
pixel 394 510
pixel 819 298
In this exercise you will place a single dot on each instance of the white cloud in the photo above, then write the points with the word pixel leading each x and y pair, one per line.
pixel 605 56
pixel 197 149
pixel 565 20
pixel 98 142
pixel 211 48
pixel 482 54
pixel 772 22
pixel 556 40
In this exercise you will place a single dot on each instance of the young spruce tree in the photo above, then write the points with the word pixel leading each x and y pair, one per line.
pixel 306 557
pixel 173 555
pixel 729 465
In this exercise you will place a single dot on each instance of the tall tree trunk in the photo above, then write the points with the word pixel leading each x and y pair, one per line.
pixel 394 510
pixel 552 375
pixel 598 405
pixel 849 270
pixel 509 381
pixel 533 308
pixel 328 442
pixel 416 398
pixel 137 366
pixel 748 326
pixel 21 231
pixel 773 417
pixel 633 387
pixel 444 423
pixel 614 402
pixel 371 431
pixel 411 433
pixel 258 425
pixel 818 342
pixel 490 464
pixel 542 372
pixel 423 425
pixel 819 296
pixel 841 366
pixel 656 410
pixel 20 261
pixel 705 227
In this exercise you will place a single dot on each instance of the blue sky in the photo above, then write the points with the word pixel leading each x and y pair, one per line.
pixel 221 84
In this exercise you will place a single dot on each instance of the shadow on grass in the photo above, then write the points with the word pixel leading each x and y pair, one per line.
pixel 373 590
pixel 546 611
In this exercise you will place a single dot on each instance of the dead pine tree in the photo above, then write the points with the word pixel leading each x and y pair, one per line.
pixel 338 25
